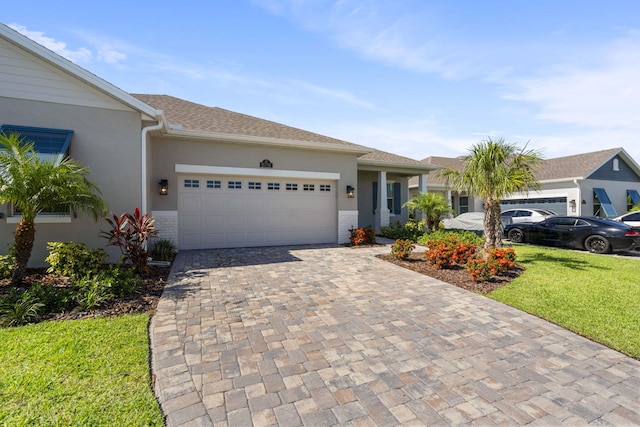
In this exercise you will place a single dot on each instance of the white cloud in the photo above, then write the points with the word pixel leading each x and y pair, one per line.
pixel 102 51
pixel 80 55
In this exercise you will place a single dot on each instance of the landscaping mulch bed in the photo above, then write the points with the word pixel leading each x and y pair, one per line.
pixel 144 300
pixel 457 276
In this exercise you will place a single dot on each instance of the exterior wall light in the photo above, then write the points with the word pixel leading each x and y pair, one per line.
pixel 351 192
pixel 164 187
pixel 572 204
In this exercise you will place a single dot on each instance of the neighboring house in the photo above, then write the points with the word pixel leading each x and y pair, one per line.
pixel 602 183
pixel 212 178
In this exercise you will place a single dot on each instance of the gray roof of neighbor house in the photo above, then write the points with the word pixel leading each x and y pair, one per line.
pixel 189 116
pixel 578 166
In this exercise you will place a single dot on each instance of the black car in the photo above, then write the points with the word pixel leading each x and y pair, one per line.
pixel 597 235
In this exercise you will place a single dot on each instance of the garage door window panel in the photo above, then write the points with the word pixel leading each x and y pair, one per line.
pixel 214 184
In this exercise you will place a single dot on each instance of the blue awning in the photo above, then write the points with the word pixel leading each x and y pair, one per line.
pixel 635 197
pixel 605 203
pixel 48 143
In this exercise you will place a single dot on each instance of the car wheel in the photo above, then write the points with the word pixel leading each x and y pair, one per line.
pixel 597 244
pixel 515 235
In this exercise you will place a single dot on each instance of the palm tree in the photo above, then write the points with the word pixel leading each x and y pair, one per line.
pixel 432 206
pixel 492 171
pixel 34 185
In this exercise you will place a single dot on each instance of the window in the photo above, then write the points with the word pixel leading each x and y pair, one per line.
pixel 191 183
pixel 292 187
pixel 616 165
pixel 390 196
pixel 325 187
pixel 234 185
pixel 255 185
pixel 464 204
pixel 214 184
pixel 602 205
pixel 273 186
pixel 309 187
pixel 633 198
pixel 48 143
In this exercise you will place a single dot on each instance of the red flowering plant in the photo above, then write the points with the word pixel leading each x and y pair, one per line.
pixel 402 249
pixel 445 253
pixel 498 262
pixel 440 256
pixel 362 236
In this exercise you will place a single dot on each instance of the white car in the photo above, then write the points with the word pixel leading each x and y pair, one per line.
pixel 632 219
pixel 514 216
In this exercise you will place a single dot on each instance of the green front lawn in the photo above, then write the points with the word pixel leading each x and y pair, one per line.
pixel 596 296
pixel 77 372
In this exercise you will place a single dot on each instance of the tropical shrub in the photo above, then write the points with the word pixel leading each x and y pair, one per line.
pixel 74 259
pixel 55 299
pixel 131 233
pixel 498 261
pixel 91 293
pixel 411 229
pixel 119 280
pixel 362 236
pixel 6 266
pixel 440 256
pixel 402 249
pixel 19 308
pixel 163 250
pixel 436 237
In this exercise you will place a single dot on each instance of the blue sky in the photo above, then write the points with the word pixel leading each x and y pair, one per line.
pixel 413 77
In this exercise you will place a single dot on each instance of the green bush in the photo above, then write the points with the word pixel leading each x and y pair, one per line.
pixel 6 266
pixel 411 230
pixel 74 260
pixel 119 280
pixel 436 237
pixel 163 250
pixel 54 299
pixel 402 249
pixel 91 293
pixel 18 308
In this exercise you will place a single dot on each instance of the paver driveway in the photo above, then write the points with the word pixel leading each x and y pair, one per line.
pixel 327 335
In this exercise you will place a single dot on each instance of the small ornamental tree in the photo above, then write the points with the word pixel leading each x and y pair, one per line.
pixel 131 233
pixel 34 185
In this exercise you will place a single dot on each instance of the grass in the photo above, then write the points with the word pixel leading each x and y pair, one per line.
pixel 77 372
pixel 596 296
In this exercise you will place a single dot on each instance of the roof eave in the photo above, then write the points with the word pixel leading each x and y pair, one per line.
pixel 78 72
pixel 416 169
pixel 273 142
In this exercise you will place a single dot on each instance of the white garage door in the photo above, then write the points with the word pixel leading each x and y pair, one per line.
pixel 227 211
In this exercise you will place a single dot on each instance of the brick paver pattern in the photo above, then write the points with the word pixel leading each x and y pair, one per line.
pixel 331 335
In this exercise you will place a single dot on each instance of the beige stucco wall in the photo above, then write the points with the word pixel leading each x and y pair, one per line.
pixel 107 141
pixel 166 152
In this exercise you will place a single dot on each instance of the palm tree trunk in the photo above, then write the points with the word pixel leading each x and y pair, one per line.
pixel 25 235
pixel 492 224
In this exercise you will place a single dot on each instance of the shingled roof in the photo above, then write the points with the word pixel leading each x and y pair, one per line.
pixel 190 116
pixel 575 166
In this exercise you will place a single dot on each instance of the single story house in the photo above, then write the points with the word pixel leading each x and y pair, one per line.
pixel 603 183
pixel 211 178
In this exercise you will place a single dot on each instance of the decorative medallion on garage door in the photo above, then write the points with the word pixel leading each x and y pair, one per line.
pixel 266 164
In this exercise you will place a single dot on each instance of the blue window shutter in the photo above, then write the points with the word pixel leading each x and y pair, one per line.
pixel 397 198
pixel 635 197
pixel 48 143
pixel 605 202
pixel 375 196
